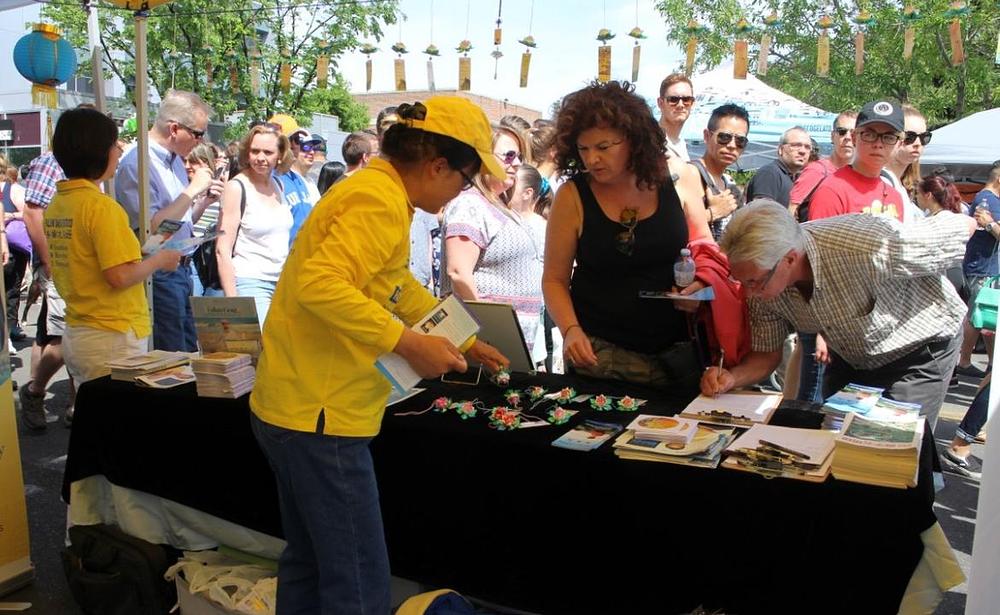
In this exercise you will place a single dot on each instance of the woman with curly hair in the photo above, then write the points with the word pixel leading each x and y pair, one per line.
pixel 620 219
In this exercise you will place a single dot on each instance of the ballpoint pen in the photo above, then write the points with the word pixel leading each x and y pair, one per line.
pixel 722 357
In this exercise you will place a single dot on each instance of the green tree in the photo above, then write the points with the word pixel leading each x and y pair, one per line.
pixel 928 80
pixel 197 46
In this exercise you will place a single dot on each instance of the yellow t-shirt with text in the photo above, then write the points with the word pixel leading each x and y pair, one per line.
pixel 88 232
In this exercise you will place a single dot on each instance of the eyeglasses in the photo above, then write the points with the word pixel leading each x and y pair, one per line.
pixel 910 137
pixel 508 157
pixel 673 100
pixel 306 147
pixel 603 146
pixel 723 138
pixel 887 138
pixel 761 284
pixel 625 240
pixel 841 131
pixel 197 134
pixel 805 146
pixel 466 180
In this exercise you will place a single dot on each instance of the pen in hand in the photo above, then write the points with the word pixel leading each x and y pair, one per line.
pixel 718 374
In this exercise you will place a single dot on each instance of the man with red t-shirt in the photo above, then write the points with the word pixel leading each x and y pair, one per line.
pixel 858 188
pixel 815 172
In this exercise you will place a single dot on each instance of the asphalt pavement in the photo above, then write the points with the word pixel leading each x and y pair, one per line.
pixel 43 458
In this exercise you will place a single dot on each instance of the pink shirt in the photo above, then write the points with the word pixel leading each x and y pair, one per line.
pixel 850 192
pixel 809 178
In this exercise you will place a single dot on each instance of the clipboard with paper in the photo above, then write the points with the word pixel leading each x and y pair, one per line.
pixel 733 409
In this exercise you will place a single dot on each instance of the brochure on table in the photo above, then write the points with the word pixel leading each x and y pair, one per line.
pixel 227 324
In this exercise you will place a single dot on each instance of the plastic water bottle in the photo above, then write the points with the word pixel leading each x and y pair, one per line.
pixel 684 269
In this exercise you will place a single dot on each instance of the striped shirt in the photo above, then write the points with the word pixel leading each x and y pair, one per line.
pixel 878 288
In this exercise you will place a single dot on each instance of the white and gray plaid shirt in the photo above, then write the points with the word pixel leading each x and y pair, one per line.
pixel 878 288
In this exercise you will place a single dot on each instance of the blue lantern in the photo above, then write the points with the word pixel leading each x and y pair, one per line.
pixel 46 59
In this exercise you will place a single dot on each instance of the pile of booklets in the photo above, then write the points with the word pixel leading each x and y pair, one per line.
pixel 130 368
pixel 802 454
pixel 223 374
pixel 882 446
pixel 852 399
pixel 673 440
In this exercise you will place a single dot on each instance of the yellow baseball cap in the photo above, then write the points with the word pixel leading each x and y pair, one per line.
pixel 464 121
pixel 288 124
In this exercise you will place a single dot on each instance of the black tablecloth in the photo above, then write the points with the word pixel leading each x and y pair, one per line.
pixel 507 517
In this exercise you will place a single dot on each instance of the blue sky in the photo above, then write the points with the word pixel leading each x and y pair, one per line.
pixel 564 61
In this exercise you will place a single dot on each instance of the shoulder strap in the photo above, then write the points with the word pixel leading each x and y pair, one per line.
pixel 8 203
pixel 706 177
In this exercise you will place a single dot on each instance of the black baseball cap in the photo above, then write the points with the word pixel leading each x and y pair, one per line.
pixel 881 111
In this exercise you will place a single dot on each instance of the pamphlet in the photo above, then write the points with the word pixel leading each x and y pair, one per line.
pixel 588 435
pixel 853 398
pixel 704 294
pixel 227 324
pixel 163 234
pixel 167 378
pixel 450 320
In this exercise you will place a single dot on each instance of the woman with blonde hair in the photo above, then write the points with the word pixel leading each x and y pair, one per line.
pixel 255 220
pixel 491 251
pixel 903 168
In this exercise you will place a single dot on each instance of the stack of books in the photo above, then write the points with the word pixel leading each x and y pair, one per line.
pixel 881 447
pixel 802 454
pixel 223 374
pixel 666 429
pixel 703 451
pixel 130 368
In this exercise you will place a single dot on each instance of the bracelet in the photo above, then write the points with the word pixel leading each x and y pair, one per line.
pixel 570 328
pixel 711 215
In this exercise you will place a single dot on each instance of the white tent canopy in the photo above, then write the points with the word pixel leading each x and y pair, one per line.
pixel 968 147
pixel 772 112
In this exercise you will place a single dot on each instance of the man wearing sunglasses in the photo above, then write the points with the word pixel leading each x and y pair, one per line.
pixel 871 285
pixel 725 140
pixel 842 138
pixel 858 187
pixel 181 123
pixel 675 102
pixel 774 180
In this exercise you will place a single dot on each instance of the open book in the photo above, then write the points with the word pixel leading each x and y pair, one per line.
pixel 450 320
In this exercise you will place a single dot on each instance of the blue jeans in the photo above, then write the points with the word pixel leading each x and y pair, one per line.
pixel 173 323
pixel 261 291
pixel 810 370
pixel 199 290
pixel 975 417
pixel 335 561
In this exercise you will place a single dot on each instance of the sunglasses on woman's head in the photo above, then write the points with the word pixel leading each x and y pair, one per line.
pixel 306 147
pixel 910 137
pixel 723 138
pixel 625 240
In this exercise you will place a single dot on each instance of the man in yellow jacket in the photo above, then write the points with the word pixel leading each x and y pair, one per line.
pixel 345 297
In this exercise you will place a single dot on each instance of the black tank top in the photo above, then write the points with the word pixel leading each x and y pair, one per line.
pixel 606 283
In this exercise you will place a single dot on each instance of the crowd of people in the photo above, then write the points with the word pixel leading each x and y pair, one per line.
pixel 577 222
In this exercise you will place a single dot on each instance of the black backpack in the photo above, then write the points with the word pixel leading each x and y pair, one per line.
pixel 113 573
pixel 204 255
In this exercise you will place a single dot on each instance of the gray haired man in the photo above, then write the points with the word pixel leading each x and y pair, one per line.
pixel 872 286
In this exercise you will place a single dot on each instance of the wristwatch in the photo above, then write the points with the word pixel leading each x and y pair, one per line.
pixel 989 227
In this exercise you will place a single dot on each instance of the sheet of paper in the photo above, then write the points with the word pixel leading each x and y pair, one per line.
pixel 815 443
pixel 395 397
pixel 704 294
pixel 756 407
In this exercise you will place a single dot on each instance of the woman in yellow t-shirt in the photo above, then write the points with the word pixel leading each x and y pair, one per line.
pixel 96 263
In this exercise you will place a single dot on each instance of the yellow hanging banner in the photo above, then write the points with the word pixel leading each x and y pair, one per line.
pixel 823 47
pixel 859 53
pixel 525 64
pixel 604 63
pixel 465 73
pixel 286 71
pixel 638 35
pixel 911 15
pixel 693 30
pixel 368 75
pixel 765 51
pixel 955 13
pixel 400 70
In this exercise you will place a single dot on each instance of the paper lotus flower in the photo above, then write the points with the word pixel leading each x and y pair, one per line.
pixel 465 409
pixel 693 28
pixel 958 9
pixel 465 46
pixel 558 416
pixel 441 404
pixel 528 41
pixel 863 18
pixel 636 33
pixel 742 26
pixel 628 404
pixel 772 20
pixel 605 35
pixel 825 22
pixel 400 48
pixel 513 397
pixel 535 392
pixel 432 50
pixel 565 395
pixel 501 377
pixel 601 402
pixel 368 49
pixel 504 418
